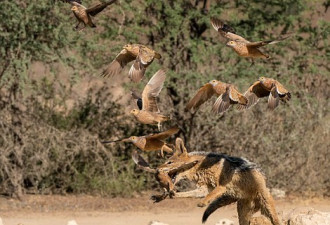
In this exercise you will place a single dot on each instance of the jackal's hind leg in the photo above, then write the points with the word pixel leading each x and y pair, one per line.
pixel 245 210
pixel 199 192
pixel 267 206
pixel 214 194
pixel 260 220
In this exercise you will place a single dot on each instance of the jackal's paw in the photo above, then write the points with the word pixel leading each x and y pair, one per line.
pixel 158 198
pixel 201 204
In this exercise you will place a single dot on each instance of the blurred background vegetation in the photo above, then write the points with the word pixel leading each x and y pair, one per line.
pixel 55 109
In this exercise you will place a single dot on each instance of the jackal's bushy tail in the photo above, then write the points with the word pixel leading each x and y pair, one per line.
pixel 218 203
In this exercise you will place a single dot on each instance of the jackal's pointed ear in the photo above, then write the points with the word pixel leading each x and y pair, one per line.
pixel 179 147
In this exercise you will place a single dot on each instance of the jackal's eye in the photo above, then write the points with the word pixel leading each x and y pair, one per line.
pixel 169 163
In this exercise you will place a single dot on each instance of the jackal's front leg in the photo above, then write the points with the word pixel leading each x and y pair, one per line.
pixel 214 194
pixel 199 192
pixel 161 197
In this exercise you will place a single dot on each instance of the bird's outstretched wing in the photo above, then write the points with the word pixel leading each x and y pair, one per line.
pixel 222 103
pixel 144 59
pixel 273 99
pixel 236 96
pixel 203 94
pixel 226 31
pixel 230 97
pixel 281 90
pixel 141 162
pixel 277 93
pixel 94 10
pixel 118 63
pixel 136 73
pixel 165 134
pixel 253 94
pixel 152 90
pixel 259 44
pixel 69 1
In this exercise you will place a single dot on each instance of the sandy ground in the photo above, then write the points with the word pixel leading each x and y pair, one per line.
pixel 58 210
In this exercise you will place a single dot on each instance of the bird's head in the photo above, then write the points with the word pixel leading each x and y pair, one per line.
pixel 133 139
pixel 134 111
pixel 214 82
pixel 231 43
pixel 74 8
pixel 262 79
pixel 127 47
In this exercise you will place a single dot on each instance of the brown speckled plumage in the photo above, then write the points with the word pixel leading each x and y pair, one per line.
pixel 152 142
pixel 150 114
pixel 84 14
pixel 227 95
pixel 266 87
pixel 230 97
pixel 241 46
pixel 142 55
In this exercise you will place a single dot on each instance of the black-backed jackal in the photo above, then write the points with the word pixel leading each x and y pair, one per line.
pixel 228 180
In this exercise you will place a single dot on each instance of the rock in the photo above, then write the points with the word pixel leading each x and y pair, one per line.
pixel 72 222
pixel 154 222
pixel 308 216
pixel 277 193
pixel 260 220
pixel 225 222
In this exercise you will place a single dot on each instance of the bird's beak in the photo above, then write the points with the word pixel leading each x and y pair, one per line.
pixel 126 140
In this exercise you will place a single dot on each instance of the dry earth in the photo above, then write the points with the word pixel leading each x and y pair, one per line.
pixel 58 210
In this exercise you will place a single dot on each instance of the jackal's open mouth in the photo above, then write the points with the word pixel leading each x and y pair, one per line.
pixel 173 176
